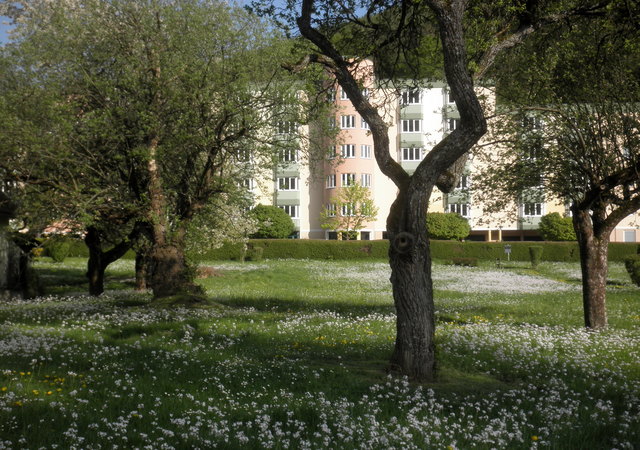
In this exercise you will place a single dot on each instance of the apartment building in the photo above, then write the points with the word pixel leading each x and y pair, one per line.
pixel 419 117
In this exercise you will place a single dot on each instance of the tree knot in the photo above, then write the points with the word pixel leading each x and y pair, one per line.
pixel 403 242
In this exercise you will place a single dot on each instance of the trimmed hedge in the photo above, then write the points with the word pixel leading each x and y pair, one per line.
pixel 445 250
pixel 304 249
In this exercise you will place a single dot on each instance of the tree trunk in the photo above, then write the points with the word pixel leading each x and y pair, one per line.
pixel 169 272
pixel 410 260
pixel 142 270
pixel 594 249
pixel 99 260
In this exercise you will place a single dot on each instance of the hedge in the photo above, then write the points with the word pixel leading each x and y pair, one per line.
pixel 444 250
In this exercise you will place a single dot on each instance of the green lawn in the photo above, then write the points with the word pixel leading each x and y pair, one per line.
pixel 292 354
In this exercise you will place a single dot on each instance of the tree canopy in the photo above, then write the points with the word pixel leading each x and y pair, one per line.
pixel 144 112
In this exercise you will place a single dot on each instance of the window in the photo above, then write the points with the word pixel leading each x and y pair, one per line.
pixel 464 183
pixel 347 122
pixel 533 151
pixel 452 124
pixel 363 124
pixel 330 209
pixel 286 127
pixel 331 152
pixel 411 125
pixel 365 235
pixel 348 209
pixel 331 95
pixel 247 183
pixel 243 155
pixel 348 151
pixel 459 208
pixel 450 98
pixel 531 209
pixel 332 122
pixel 331 181
pixel 365 151
pixel 289 155
pixel 412 154
pixel 411 97
pixel 343 95
pixel 532 123
pixel 292 210
pixel 365 180
pixel 365 93
pixel 288 184
pixel 347 179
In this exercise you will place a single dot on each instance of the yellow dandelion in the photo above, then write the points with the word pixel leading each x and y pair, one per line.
pixel 534 438
pixel 4 389
pixel 35 392
pixel 49 392
pixel 58 390
pixel 18 403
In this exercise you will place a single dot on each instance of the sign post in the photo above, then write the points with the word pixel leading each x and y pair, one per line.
pixel 507 250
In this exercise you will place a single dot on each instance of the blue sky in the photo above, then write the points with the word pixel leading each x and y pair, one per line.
pixel 3 29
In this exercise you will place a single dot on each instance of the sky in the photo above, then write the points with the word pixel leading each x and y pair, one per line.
pixel 3 29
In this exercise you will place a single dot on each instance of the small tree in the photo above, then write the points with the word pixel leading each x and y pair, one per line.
pixel 447 226
pixel 554 227
pixel 352 208
pixel 272 222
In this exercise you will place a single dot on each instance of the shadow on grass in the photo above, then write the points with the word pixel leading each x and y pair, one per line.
pixel 68 280
pixel 277 304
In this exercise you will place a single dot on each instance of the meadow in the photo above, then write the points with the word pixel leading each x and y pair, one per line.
pixel 292 354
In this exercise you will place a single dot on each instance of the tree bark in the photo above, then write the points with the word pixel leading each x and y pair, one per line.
pixel 169 271
pixel 142 270
pixel 99 260
pixel 410 261
pixel 594 250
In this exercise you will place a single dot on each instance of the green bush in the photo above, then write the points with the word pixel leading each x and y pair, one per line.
pixel 535 253
pixel 447 226
pixel 254 254
pixel 554 227
pixel 632 265
pixel 273 222
pixel 57 248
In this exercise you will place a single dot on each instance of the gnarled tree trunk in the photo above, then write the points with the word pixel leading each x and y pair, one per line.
pixel 410 261
pixel 100 260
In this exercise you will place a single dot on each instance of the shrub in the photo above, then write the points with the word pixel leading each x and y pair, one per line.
pixel 273 222
pixel 554 227
pixel 254 254
pixel 632 265
pixel 535 253
pixel 57 248
pixel 447 226
pixel 467 262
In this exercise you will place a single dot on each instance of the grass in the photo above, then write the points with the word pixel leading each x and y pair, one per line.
pixel 292 354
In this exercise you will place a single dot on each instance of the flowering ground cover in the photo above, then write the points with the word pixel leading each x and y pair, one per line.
pixel 291 354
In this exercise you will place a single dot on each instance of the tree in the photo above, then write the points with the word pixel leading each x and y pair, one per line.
pixel 576 130
pixel 375 29
pixel 350 210
pixel 272 222
pixel 554 227
pixel 164 106
pixel 447 226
